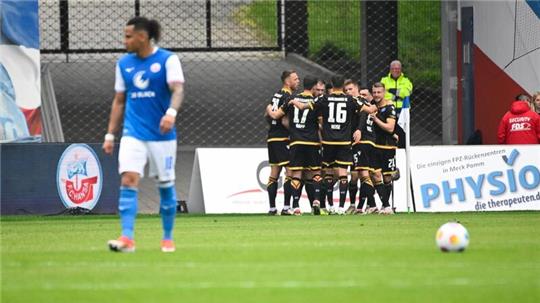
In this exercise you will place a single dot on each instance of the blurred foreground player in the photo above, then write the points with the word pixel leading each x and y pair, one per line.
pixel 149 91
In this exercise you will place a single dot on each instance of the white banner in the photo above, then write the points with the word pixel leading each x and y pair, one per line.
pixel 476 178
pixel 233 180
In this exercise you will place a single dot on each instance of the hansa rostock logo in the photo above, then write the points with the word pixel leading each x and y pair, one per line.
pixel 79 177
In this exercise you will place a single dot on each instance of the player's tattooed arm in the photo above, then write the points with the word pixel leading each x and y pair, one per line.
pixel 301 105
pixel 387 126
pixel 277 114
pixel 177 97
pixel 117 112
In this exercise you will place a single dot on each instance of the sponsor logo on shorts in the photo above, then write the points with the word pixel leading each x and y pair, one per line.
pixel 79 177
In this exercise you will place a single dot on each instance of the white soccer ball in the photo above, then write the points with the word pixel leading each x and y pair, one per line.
pixel 452 236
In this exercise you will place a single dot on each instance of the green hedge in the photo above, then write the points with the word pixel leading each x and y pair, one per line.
pixel 419 32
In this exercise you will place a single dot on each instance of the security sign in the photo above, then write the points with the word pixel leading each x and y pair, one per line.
pixel 79 177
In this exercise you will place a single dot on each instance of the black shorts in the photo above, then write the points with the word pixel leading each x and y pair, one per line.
pixel 365 157
pixel 278 153
pixel 355 149
pixel 386 160
pixel 336 155
pixel 305 157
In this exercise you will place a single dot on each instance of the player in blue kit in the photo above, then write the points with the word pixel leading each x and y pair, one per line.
pixel 149 91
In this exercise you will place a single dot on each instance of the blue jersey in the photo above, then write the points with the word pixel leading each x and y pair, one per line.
pixel 147 95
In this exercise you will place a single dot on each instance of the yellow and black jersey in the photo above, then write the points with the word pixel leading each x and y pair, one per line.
pixel 303 124
pixel 365 125
pixel 277 131
pixel 337 110
pixel 385 139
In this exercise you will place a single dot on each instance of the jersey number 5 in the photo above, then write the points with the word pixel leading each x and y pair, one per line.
pixel 337 112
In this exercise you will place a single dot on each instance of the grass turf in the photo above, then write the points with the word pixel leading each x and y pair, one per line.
pixel 273 259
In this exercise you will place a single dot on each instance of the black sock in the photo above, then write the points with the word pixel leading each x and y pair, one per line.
pixel 381 191
pixel 388 192
pixel 371 201
pixel 343 186
pixel 310 191
pixel 271 187
pixel 353 189
pixel 287 192
pixel 296 189
pixel 329 181
pixel 367 191
pixel 317 189
pixel 322 193
pixel 361 202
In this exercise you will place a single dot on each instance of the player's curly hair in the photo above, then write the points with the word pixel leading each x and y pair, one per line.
pixel 150 26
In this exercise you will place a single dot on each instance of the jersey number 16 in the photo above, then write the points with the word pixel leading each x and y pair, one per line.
pixel 337 112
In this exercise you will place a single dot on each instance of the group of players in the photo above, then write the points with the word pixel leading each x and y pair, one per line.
pixel 317 135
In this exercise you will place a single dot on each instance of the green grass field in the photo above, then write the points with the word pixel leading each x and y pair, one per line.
pixel 273 259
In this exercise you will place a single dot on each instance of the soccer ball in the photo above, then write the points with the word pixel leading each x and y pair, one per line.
pixel 452 236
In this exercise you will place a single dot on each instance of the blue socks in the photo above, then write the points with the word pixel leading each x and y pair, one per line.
pixel 167 208
pixel 127 205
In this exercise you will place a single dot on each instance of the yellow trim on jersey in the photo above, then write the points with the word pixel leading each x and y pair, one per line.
pixel 328 164
pixel 280 163
pixel 305 168
pixel 367 142
pixel 379 146
pixel 296 168
pixel 389 173
pixel 287 90
pixel 277 139
pixel 336 142
pixel 305 143
pixel 364 168
pixel 388 147
pixel 343 162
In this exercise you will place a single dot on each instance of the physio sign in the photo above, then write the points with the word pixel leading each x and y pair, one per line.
pixel 476 178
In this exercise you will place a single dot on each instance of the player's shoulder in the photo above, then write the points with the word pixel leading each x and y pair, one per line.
pixel 126 58
pixel 321 99
pixel 304 97
pixel 165 52
pixel 390 110
pixel 286 92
